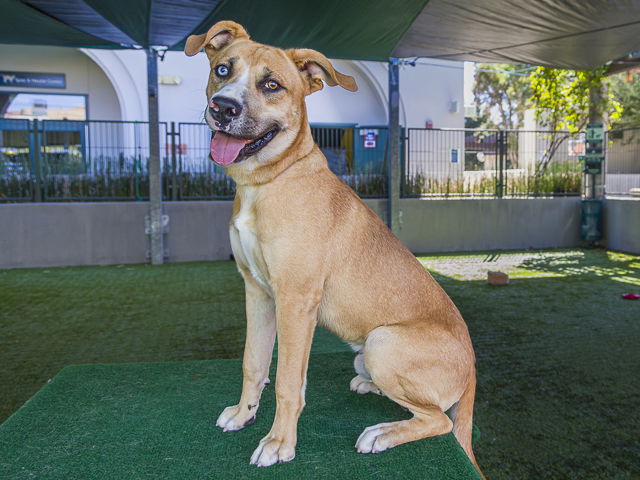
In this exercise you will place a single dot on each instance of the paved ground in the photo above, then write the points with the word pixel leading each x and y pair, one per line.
pixel 528 264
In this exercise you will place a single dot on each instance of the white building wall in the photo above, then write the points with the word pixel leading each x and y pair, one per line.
pixel 115 81
pixel 83 76
pixel 428 90
pixel 426 93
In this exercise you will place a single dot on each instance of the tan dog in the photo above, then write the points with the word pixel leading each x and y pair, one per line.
pixel 311 252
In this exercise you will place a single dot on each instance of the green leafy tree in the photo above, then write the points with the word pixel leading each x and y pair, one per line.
pixel 505 89
pixel 564 100
pixel 625 89
pixel 479 121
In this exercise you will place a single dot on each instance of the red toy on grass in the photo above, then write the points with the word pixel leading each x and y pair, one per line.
pixel 631 296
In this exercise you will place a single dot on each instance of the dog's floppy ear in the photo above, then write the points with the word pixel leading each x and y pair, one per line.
pixel 220 35
pixel 316 68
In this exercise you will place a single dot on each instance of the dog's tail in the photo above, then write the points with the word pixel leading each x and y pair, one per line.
pixel 463 421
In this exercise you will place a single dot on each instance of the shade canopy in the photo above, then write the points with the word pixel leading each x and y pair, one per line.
pixel 559 33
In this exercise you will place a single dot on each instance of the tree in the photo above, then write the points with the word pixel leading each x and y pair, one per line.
pixel 479 121
pixel 563 101
pixel 625 89
pixel 505 89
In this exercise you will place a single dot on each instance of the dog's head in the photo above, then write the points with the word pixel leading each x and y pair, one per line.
pixel 255 95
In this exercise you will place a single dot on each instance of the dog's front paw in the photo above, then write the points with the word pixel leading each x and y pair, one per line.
pixel 362 385
pixel 235 418
pixel 272 450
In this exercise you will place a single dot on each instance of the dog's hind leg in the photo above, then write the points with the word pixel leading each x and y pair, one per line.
pixel 422 368
pixel 427 422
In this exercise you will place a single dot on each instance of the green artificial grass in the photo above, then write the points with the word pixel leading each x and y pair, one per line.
pixel 557 350
pixel 156 420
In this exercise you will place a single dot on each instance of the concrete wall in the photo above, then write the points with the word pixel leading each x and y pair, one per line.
pixel 59 234
pixel 56 234
pixel 198 231
pixel 486 224
pixel 622 224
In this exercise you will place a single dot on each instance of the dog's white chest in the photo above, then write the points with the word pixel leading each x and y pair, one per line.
pixel 244 241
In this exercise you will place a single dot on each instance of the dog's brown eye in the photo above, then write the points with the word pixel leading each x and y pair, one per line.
pixel 272 85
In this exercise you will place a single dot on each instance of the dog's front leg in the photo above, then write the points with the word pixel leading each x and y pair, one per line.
pixel 296 320
pixel 261 333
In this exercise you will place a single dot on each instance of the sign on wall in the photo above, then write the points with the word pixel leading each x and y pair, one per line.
pixel 370 138
pixel 32 79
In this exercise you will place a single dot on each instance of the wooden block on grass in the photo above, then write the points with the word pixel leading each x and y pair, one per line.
pixel 497 278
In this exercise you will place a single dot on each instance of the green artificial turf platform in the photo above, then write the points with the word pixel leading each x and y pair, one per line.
pixel 157 421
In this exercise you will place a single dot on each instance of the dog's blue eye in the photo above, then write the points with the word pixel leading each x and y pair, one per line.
pixel 222 70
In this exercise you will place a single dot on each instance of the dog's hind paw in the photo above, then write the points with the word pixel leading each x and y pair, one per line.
pixel 362 385
pixel 271 451
pixel 373 439
pixel 233 418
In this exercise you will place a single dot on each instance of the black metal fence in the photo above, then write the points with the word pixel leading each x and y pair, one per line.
pixel 100 160
pixel 492 163
pixel 357 154
pixel 191 175
pixel 622 167
pixel 74 160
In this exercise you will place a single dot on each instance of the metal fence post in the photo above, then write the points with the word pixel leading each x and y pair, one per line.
pixel 393 204
pixel 174 180
pixel 596 115
pixel 37 163
pixel 406 147
pixel 501 162
pixel 136 174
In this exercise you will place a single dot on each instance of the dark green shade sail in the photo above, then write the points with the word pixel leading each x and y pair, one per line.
pixel 561 33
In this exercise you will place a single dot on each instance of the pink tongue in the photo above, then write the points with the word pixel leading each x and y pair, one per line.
pixel 225 148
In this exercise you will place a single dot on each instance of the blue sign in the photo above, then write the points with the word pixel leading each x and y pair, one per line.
pixel 32 80
pixel 454 155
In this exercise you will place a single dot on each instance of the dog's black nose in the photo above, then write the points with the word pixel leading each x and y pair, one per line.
pixel 224 109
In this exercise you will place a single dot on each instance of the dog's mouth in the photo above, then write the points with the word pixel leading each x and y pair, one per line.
pixel 226 149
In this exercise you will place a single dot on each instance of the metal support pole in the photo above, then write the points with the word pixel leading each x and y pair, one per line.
pixel 393 172
pixel 155 177
pixel 37 162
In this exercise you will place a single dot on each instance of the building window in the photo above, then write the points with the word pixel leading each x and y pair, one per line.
pixel 43 106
